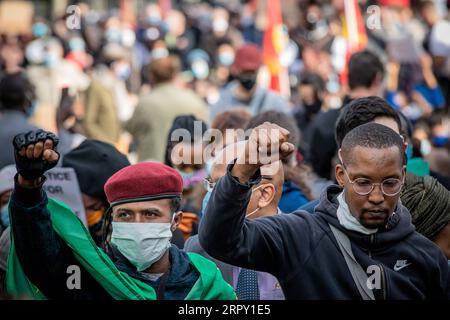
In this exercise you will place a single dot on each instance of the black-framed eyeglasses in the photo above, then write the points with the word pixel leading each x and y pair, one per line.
pixel 362 186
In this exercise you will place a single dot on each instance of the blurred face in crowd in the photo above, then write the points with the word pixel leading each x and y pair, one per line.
pixel 4 198
pixel 176 22
pixel 220 22
pixel 429 14
pixel 362 167
pixel 94 207
pixel 440 133
pixel 225 55
pixel 13 57
pixel 309 98
pixel 153 13
pixel 53 54
pixel 247 79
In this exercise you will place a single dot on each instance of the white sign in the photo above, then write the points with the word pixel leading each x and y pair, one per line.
pixel 62 185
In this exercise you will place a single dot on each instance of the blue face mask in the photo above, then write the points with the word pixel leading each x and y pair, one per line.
pixel 39 30
pixel 205 202
pixel 226 58
pixel 5 215
pixel 50 59
pixel 425 147
pixel 200 69
pixel 123 72
pixel 440 141
pixel 77 44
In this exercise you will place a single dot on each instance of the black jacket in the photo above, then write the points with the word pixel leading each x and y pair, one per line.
pixel 45 257
pixel 301 251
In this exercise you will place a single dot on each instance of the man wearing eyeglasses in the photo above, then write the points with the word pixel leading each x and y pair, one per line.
pixel 360 244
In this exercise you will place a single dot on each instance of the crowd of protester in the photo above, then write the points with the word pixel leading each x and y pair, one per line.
pixel 110 99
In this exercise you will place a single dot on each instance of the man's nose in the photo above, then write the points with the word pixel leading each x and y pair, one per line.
pixel 376 196
pixel 138 218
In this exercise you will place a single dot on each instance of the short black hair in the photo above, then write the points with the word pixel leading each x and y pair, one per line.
pixel 363 68
pixel 371 135
pixel 362 111
pixel 16 92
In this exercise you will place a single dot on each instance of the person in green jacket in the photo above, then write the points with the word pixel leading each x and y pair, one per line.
pixel 52 255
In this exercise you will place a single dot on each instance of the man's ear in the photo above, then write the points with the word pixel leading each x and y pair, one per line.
pixel 176 220
pixel 405 144
pixel 268 192
pixel 339 173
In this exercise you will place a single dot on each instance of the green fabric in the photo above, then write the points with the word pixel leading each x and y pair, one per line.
pixel 418 166
pixel 119 285
pixel 428 202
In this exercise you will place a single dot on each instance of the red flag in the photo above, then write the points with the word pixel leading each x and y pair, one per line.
pixel 165 5
pixel 354 31
pixel 274 42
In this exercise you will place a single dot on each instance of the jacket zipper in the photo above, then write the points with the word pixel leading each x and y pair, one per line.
pixel 371 240
pixel 383 284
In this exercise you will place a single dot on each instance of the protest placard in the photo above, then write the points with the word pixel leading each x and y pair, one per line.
pixel 62 184
pixel 16 17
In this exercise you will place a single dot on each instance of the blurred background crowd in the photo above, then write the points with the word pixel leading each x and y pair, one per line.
pixel 129 73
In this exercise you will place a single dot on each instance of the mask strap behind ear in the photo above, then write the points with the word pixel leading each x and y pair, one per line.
pixel 251 213
pixel 340 156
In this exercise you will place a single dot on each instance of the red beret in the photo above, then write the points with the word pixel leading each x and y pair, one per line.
pixel 144 181
pixel 248 58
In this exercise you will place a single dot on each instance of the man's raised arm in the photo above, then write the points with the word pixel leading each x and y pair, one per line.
pixel 224 232
pixel 43 255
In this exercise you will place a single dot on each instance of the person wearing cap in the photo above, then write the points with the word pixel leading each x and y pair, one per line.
pixel 244 91
pixel 156 111
pixel 94 163
pixel 136 260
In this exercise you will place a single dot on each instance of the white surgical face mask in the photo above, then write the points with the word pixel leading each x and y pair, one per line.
pixel 141 243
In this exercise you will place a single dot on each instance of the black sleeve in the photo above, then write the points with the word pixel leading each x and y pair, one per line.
pixel 43 255
pixel 263 244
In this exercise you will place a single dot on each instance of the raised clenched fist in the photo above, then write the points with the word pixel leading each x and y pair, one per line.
pixel 35 153
pixel 267 144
